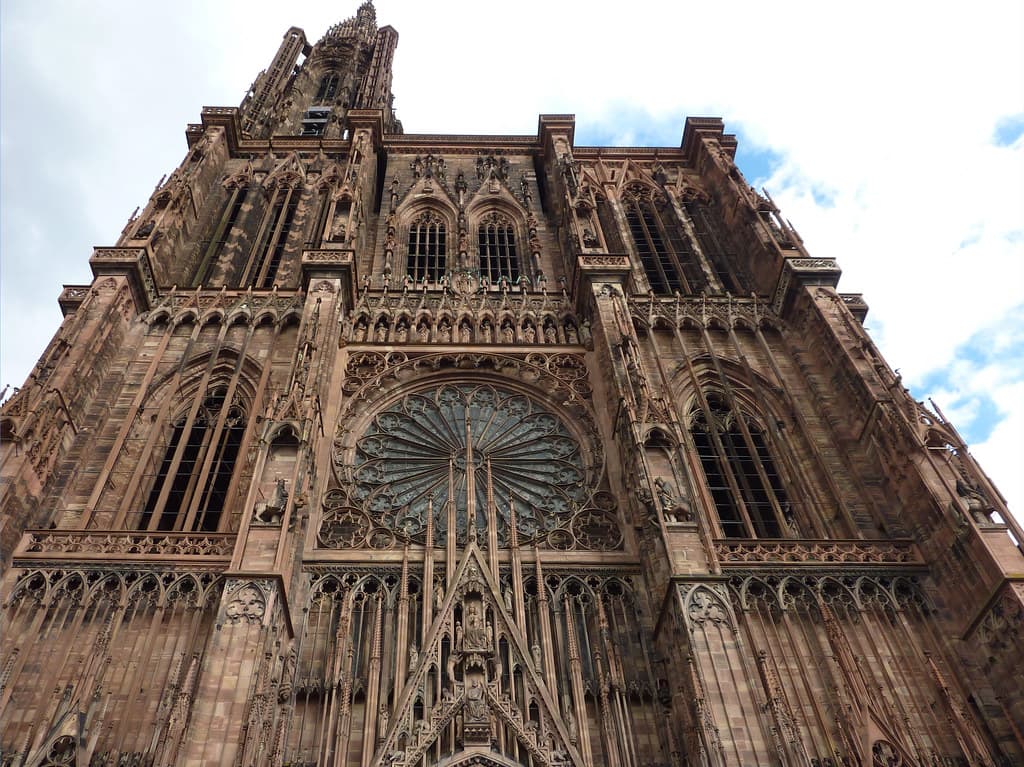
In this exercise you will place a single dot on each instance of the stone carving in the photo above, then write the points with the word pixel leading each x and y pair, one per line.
pixel 247 603
pixel 817 553
pixel 127 545
pixel 271 511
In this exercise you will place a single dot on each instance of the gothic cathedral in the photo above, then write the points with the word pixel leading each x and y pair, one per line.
pixel 370 448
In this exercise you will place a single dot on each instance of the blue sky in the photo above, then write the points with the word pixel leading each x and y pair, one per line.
pixel 898 152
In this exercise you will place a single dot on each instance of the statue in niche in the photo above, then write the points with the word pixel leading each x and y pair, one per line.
pixel 673 509
pixel 486 331
pixel 380 332
pixel 414 657
pixel 507 596
pixel 585 335
pixel 476 708
pixel 438 596
pixel 465 332
pixel 444 331
pixel 402 331
pixel 535 652
pixel 476 630
pixel 459 637
pixel 571 334
pixel 589 238
pixel 423 331
pixel 382 718
pixel 529 333
pixel 270 511
pixel 550 334
pixel 977 504
pixel 508 335
pixel 359 335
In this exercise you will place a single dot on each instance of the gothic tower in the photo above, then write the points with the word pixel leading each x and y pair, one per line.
pixel 367 448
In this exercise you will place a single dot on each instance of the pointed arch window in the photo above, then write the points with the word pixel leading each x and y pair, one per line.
pixel 269 251
pixel 428 248
pixel 664 251
pixel 190 489
pixel 496 242
pixel 328 87
pixel 229 219
pixel 740 471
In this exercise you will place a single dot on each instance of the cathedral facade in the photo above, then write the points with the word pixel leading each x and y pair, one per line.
pixel 371 448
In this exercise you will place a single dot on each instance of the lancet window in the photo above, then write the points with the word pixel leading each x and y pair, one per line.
pixel 229 219
pixel 740 472
pixel 428 247
pixel 664 251
pixel 496 241
pixel 273 238
pixel 328 87
pixel 714 242
pixel 190 488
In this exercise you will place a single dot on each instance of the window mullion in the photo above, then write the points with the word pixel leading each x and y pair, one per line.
pixel 728 456
pixel 761 473
pixel 214 447
pixel 179 452
pixel 259 255
pixel 283 221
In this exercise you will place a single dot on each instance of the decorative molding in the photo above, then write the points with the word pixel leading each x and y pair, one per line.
pixel 110 546
pixel 817 553
pixel 132 263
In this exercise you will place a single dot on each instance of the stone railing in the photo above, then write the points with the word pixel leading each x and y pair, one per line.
pixel 119 545
pixel 816 553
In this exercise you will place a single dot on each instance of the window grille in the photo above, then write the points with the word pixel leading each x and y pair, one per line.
pixel 740 472
pixel 427 248
pixel 497 249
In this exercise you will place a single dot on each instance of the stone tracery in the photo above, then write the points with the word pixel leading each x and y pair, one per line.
pixel 412 462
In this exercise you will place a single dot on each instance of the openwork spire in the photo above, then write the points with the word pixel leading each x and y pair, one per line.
pixel 361 26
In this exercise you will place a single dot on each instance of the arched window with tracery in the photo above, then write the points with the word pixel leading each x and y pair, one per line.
pixel 496 243
pixel 665 253
pixel 190 488
pixel 739 470
pixel 428 247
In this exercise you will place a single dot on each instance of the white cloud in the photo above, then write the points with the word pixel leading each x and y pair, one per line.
pixel 882 116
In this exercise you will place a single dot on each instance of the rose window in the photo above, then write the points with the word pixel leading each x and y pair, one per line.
pixel 459 450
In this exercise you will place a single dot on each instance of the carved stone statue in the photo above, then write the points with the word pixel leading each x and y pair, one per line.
pixel 550 334
pixel 465 332
pixel 402 332
pixel 529 333
pixel 977 504
pixel 359 334
pixel 270 511
pixel 423 331
pixel 476 631
pixel 673 510
pixel 508 335
pixel 486 332
pixel 380 332
pixel 414 658
pixel 476 708
pixel 444 332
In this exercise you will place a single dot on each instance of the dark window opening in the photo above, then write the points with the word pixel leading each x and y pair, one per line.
pixel 427 249
pixel 497 247
pixel 740 473
pixel 190 489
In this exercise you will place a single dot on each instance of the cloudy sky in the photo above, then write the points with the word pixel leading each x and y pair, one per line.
pixel 890 133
